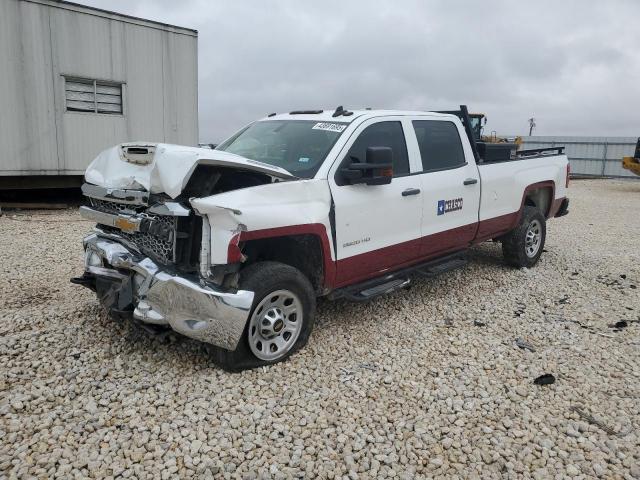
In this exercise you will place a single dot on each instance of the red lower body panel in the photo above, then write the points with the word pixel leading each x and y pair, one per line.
pixel 395 257
pixel 372 264
pixel 375 263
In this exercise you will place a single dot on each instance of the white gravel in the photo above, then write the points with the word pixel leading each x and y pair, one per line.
pixel 410 385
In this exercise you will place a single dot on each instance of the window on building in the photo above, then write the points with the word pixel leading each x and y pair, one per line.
pixel 383 134
pixel 440 145
pixel 97 96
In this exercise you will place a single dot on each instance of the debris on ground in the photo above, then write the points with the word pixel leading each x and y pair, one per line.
pixel 520 310
pixel 619 325
pixel 524 345
pixel 546 379
pixel 134 406
pixel 593 421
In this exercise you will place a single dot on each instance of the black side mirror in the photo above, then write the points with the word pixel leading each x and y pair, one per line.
pixel 376 170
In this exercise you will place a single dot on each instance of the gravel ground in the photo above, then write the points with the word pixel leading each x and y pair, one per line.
pixel 422 383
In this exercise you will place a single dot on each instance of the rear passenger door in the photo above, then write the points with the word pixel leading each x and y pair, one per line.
pixel 450 186
pixel 377 226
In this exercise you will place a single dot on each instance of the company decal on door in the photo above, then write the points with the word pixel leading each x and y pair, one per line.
pixel 446 206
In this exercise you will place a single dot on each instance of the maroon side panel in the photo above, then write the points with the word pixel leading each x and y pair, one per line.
pixel 395 257
pixel 449 240
pixel 374 263
pixel 494 227
pixel 367 265
pixel 316 229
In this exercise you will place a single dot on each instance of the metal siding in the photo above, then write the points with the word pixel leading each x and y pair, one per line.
pixel 179 93
pixel 144 96
pixel 28 132
pixel 593 156
pixel 40 42
pixel 11 137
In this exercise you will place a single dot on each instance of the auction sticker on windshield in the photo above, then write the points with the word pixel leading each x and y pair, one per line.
pixel 331 127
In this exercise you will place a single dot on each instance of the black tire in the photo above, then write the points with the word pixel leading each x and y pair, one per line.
pixel 264 278
pixel 514 244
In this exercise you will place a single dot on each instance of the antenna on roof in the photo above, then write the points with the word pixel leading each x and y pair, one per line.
pixel 341 111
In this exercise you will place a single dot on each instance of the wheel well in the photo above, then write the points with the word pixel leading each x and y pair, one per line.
pixel 539 198
pixel 303 252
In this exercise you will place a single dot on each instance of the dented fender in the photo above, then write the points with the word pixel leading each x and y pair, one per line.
pixel 270 206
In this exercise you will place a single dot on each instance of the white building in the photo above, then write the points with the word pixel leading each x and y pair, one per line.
pixel 75 80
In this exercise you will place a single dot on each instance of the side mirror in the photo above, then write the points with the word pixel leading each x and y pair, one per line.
pixel 376 170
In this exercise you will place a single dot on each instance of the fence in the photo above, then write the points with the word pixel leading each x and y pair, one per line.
pixel 590 156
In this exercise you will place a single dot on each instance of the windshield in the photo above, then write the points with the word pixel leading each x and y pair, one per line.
pixel 298 146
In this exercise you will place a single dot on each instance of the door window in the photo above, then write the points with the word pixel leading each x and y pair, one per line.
pixel 440 145
pixel 382 134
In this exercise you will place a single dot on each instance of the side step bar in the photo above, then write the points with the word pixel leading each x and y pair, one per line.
pixel 367 290
pixel 434 270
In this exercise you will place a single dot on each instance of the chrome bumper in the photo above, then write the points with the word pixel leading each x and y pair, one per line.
pixel 162 297
pixel 128 223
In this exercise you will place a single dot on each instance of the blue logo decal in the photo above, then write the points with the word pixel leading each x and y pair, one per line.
pixel 440 207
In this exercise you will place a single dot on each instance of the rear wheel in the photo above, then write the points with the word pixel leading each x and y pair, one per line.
pixel 523 246
pixel 281 317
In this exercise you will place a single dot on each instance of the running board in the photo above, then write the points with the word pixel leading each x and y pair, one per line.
pixel 431 271
pixel 362 292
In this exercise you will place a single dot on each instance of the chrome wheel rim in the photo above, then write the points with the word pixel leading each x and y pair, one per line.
pixel 533 238
pixel 275 325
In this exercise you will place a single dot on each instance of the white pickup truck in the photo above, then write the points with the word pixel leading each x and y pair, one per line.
pixel 232 246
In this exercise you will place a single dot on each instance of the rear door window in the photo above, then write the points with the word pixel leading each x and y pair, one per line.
pixel 383 134
pixel 440 145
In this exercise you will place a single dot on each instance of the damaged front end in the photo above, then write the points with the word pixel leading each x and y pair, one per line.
pixel 144 259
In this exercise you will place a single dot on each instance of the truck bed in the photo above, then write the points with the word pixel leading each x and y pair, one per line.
pixel 503 182
pixel 506 152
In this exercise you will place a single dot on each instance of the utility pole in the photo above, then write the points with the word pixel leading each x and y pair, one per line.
pixel 532 125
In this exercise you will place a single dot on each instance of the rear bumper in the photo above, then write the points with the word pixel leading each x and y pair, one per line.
pixel 126 280
pixel 564 208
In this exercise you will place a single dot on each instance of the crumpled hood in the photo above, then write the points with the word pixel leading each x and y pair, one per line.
pixel 163 168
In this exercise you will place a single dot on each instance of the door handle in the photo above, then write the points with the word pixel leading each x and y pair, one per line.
pixel 470 181
pixel 410 191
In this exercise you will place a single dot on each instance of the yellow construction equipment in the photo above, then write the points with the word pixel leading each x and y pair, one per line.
pixel 478 121
pixel 633 163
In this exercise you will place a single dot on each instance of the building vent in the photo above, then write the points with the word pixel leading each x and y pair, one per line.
pixel 96 96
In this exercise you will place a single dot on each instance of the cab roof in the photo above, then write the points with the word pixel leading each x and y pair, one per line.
pixel 328 115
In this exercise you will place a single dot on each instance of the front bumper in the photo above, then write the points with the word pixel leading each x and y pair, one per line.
pixel 124 279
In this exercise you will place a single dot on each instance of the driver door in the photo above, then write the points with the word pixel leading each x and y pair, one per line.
pixel 378 227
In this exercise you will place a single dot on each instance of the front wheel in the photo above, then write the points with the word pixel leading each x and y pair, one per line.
pixel 523 246
pixel 281 316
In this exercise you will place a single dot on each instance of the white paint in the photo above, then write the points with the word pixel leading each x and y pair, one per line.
pixel 378 213
pixel 170 169
pixel 367 217
pixel 273 205
pixel 504 183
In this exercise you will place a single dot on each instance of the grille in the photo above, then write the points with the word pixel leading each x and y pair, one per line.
pixel 115 208
pixel 156 247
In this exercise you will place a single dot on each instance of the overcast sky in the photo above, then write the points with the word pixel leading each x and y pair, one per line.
pixel 573 65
